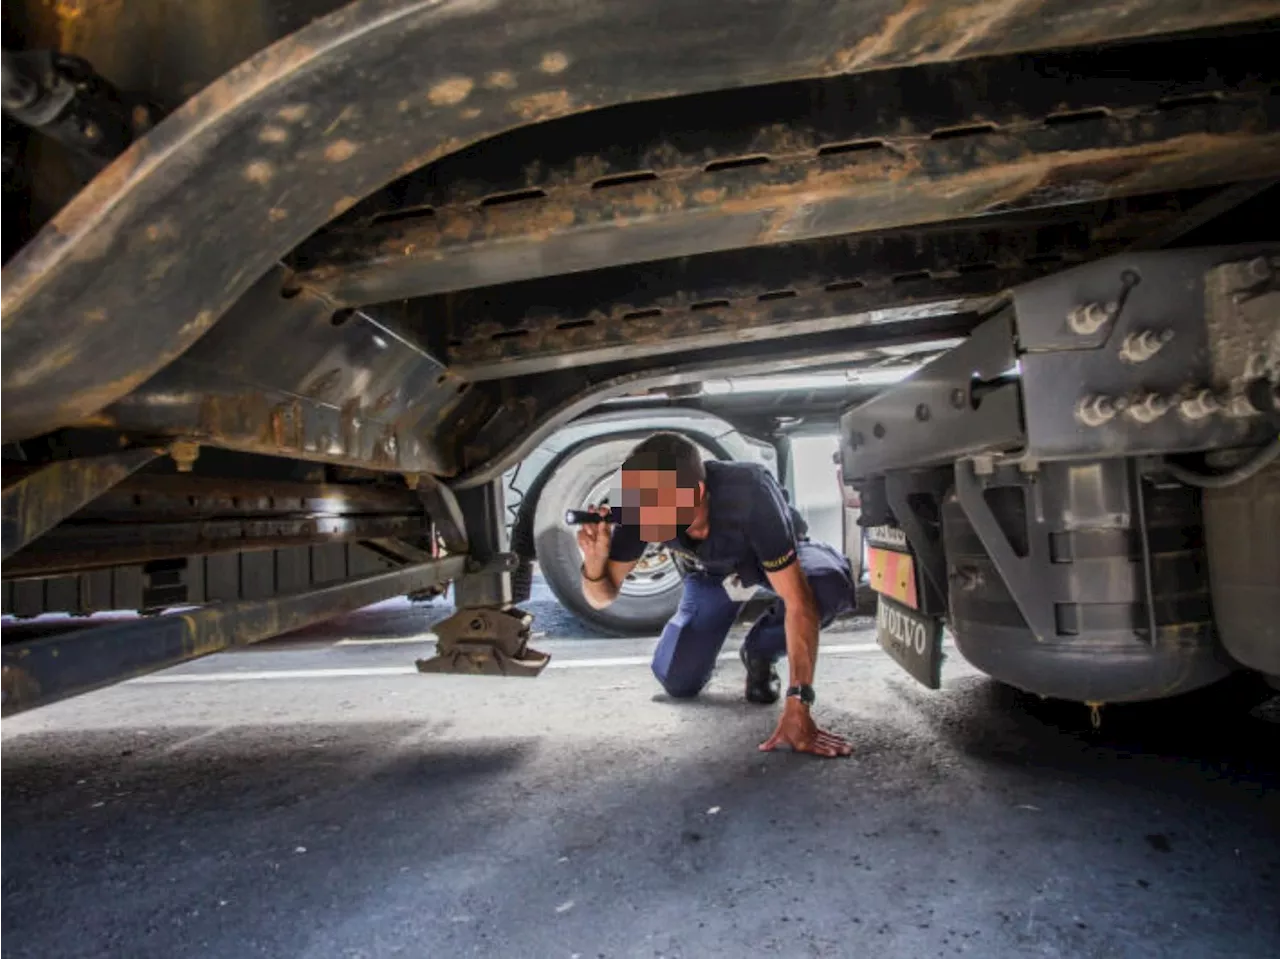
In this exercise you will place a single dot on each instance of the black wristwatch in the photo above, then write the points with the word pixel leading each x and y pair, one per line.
pixel 803 692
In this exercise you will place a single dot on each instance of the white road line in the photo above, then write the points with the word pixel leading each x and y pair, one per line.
pixel 409 670
pixel 389 641
pixel 260 674
pixel 400 640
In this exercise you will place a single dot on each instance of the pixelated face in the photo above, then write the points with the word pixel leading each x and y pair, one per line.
pixel 653 500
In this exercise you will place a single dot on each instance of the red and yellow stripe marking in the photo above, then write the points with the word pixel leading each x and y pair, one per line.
pixel 893 574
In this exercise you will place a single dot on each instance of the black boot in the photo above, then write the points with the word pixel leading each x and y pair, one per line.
pixel 763 685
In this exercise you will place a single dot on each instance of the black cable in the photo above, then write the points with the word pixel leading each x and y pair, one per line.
pixel 1251 467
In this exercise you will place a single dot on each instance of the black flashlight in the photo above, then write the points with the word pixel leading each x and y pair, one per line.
pixel 581 517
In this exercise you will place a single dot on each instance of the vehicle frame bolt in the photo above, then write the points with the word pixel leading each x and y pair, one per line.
pixel 1140 346
pixel 1149 408
pixel 184 454
pixel 984 465
pixel 1095 410
pixel 1198 405
pixel 1089 318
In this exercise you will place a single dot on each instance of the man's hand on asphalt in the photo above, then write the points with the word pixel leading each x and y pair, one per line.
pixel 797 729
pixel 594 540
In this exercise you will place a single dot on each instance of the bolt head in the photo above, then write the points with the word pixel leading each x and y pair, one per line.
pixel 1150 408
pixel 1094 410
pixel 1199 405
pixel 1088 318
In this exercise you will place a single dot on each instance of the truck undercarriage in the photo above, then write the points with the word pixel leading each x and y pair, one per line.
pixel 291 284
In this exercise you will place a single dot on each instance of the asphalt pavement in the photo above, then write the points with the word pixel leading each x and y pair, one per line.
pixel 314 797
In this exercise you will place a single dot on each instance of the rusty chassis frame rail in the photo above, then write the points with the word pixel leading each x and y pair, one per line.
pixel 110 291
pixel 766 292
pixel 45 670
pixel 881 183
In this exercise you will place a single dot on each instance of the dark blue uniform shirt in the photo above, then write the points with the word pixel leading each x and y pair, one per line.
pixel 753 529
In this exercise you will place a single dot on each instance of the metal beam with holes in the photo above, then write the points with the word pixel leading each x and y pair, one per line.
pixel 897 184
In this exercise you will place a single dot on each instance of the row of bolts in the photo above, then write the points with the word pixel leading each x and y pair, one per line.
pixel 1138 347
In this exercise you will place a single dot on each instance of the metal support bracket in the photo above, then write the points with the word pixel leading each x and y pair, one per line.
pixel 926 545
pixel 485 642
pixel 1147 377
pixel 1018 572
pixel 961 404
pixel 442 506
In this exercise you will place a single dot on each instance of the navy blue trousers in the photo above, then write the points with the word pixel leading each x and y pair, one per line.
pixel 692 638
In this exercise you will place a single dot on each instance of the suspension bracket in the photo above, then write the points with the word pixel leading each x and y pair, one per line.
pixel 486 642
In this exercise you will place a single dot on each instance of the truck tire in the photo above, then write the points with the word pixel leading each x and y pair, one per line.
pixel 523 547
pixel 650 595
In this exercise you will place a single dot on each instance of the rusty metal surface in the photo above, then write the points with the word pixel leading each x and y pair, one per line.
pixel 45 670
pixel 286 375
pixel 896 179
pixel 35 503
pixel 651 141
pixel 790 201
pixel 763 293
pixel 146 259
pixel 769 321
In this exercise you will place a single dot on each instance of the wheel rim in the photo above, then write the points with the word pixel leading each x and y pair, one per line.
pixel 655 572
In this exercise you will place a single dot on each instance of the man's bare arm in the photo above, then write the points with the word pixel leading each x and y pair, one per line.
pixel 796 727
pixel 802 622
pixel 602 577
pixel 602 591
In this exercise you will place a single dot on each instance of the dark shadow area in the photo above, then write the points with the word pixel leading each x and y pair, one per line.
pixel 1205 743
pixel 713 701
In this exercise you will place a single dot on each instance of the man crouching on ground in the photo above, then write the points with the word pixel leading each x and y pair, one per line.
pixel 721 520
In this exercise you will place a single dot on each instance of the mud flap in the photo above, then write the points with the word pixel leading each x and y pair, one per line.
pixel 913 639
pixel 911 636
